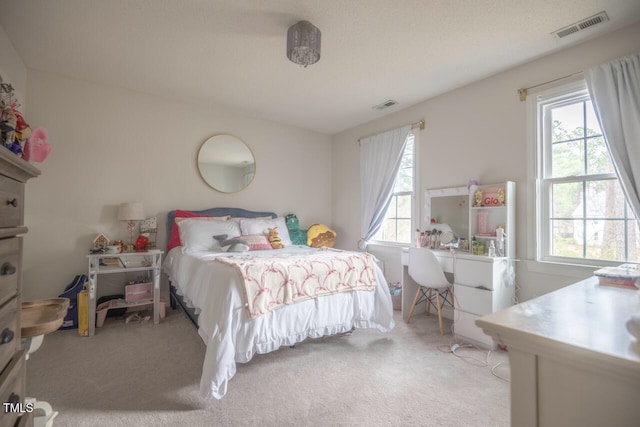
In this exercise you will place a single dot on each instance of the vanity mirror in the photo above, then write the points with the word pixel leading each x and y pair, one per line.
pixel 449 209
pixel 226 163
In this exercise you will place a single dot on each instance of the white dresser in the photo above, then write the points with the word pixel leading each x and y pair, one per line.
pixel 573 362
pixel 482 285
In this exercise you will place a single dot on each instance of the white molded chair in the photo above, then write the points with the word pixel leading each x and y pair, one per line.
pixel 426 271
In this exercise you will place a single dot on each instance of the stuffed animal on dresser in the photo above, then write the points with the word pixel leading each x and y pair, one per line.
pixel 274 239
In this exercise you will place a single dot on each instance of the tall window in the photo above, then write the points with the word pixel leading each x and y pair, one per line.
pixel 583 215
pixel 398 221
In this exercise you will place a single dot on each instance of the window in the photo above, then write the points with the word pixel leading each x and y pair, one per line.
pixel 583 215
pixel 397 225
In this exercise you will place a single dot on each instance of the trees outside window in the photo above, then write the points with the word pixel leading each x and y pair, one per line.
pixel 582 211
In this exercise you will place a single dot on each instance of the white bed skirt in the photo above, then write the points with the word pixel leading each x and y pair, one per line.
pixel 216 292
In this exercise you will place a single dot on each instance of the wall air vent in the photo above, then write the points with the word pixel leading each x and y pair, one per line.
pixel 581 25
pixel 385 104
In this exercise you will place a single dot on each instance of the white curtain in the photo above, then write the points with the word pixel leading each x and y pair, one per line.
pixel 380 157
pixel 615 92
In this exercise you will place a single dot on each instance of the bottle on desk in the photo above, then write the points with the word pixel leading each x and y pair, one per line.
pixel 492 249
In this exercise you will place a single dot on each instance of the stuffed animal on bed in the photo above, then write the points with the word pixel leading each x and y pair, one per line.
pixel 274 238
pixel 297 235
pixel 320 236
pixel 232 245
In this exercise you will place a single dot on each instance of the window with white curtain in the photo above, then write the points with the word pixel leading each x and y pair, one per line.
pixel 583 216
pixel 399 219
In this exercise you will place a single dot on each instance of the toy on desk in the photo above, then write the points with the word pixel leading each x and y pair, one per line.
pixel 149 229
pixel 100 242
pixel 477 196
pixel 141 243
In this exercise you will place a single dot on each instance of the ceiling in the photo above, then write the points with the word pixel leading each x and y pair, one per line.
pixel 231 53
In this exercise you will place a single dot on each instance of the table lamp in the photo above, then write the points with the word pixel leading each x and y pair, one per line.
pixel 131 212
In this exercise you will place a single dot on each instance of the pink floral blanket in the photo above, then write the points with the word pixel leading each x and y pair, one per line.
pixel 275 280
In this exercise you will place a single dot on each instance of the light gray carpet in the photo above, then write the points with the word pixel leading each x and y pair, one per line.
pixel 147 375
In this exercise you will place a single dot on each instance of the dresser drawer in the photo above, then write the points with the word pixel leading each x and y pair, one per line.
pixel 12 390
pixel 478 274
pixel 464 326
pixel 9 332
pixel 473 300
pixel 11 202
pixel 10 250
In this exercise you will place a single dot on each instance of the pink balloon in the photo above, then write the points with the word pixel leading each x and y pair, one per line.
pixel 36 149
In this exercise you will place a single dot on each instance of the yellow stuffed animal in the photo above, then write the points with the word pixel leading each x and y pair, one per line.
pixel 320 236
pixel 274 239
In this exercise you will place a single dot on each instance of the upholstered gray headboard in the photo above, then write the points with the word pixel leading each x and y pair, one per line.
pixel 234 212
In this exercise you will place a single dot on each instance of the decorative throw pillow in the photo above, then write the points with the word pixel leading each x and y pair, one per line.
pixel 174 238
pixel 262 226
pixel 196 234
pixel 256 242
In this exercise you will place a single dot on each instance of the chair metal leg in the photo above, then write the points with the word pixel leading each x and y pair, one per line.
pixel 439 311
pixel 413 306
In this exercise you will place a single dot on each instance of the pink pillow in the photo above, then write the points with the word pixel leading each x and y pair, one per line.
pixel 257 242
pixel 174 238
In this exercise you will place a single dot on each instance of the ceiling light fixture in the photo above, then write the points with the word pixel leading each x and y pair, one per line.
pixel 303 43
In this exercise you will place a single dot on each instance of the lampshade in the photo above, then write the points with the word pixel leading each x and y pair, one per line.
pixel 303 43
pixel 131 211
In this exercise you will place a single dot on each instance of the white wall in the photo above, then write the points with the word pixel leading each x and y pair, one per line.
pixel 111 146
pixel 12 69
pixel 477 131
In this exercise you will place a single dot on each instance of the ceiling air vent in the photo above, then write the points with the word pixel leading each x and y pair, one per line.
pixel 581 25
pixel 385 104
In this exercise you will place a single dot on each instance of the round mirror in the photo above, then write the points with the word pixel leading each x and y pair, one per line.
pixel 226 163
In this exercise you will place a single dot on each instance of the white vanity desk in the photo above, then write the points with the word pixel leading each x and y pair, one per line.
pixel 573 362
pixel 481 286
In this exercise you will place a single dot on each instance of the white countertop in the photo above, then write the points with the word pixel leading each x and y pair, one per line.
pixel 584 318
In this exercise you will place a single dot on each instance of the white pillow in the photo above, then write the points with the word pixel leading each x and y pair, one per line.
pixel 241 218
pixel 260 226
pixel 196 234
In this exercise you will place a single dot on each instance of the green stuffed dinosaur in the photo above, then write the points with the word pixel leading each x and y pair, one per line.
pixel 298 236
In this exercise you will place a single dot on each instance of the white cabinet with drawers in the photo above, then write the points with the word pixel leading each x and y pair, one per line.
pixel 482 285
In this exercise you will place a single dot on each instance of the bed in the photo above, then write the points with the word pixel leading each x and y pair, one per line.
pixel 237 321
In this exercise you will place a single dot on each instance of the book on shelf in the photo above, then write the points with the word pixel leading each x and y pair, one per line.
pixel 112 262
pixel 625 276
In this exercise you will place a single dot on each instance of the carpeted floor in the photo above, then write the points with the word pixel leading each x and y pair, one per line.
pixel 139 374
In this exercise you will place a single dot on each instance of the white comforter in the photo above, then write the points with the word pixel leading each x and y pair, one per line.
pixel 215 290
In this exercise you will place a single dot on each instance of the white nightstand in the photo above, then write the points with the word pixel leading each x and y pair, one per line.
pixel 128 262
